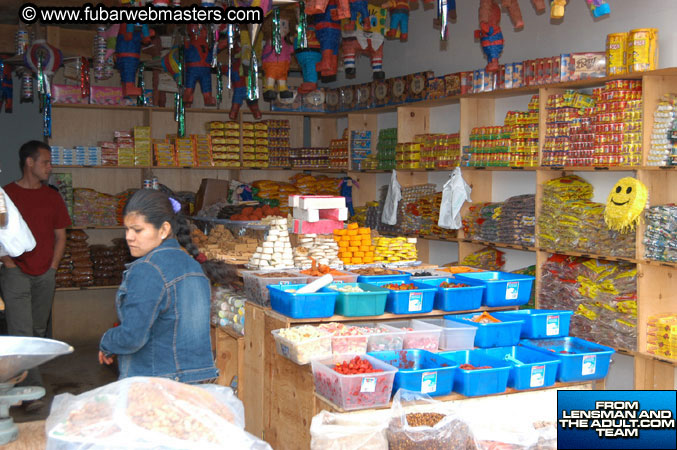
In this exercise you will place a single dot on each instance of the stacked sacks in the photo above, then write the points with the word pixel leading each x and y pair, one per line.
pixel 518 220
pixel 490 217
pixel 82 271
pixel 93 208
pixel 472 222
pixel 109 262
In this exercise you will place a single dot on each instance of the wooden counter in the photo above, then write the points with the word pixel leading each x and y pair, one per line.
pixel 31 437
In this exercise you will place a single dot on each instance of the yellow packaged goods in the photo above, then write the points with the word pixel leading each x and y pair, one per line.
pixel 141 132
pixel 125 156
pixel 215 125
pixel 231 125
pixel 248 126
pixel 661 335
pixel 616 46
pixel 642 53
pixel 217 133
pixel 164 155
pixel 395 249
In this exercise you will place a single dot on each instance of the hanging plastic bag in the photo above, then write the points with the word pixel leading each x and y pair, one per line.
pixel 16 238
pixel 419 422
pixel 149 413
pixel 343 432
pixel 454 194
pixel 389 216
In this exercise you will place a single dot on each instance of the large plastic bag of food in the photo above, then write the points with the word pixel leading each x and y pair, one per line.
pixel 419 422
pixel 393 198
pixel 454 194
pixel 15 238
pixel 145 413
pixel 346 432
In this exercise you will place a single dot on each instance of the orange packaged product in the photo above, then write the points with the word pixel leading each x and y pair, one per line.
pixel 352 232
pixel 353 226
pixel 340 232
pixel 364 231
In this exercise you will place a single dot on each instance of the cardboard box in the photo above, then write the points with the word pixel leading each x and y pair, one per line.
pixel 452 84
pixel 565 59
pixel 62 93
pixel 587 65
pixel 348 98
pixel 518 75
pixel 211 191
pixel 398 90
pixel 555 64
pixel 417 86
pixel 381 92
pixel 507 83
pixel 436 88
pixel 365 98
pixel 466 82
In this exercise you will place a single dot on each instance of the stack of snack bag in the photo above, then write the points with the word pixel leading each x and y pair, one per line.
pixel 122 199
pixel 203 150
pixel 428 207
pixel 490 217
pixel 386 147
pixel 663 151
pixel 315 249
pixel 488 259
pixel 660 236
pixel 409 214
pixel 276 191
pixel 661 335
pixel 602 294
pixel 225 140
pixel 569 221
pixel 109 153
pixel 489 146
pixel 389 250
pixel 142 147
pixel 108 262
pixel 360 144
pixel 278 143
pixel 261 149
pixel 309 158
pixel 125 148
pixel 185 152
pixel 91 208
pixel 518 220
pixel 373 217
pixel 472 220
pixel 64 183
pixel 523 128
pixel 82 271
pixel 565 113
pixel 355 246
pixel 164 153
pixel 320 185
pixel 447 151
pixel 228 309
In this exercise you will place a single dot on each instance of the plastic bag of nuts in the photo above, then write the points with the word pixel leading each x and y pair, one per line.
pixel 424 429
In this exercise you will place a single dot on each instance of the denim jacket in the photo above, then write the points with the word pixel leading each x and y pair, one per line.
pixel 163 305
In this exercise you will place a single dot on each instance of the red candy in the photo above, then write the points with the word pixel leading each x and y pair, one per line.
pixel 355 366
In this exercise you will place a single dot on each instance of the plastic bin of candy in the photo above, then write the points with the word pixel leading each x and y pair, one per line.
pixel 455 335
pixel 464 298
pixel 539 323
pixel 285 300
pixel 401 276
pixel 255 284
pixel 346 338
pixel 351 392
pixel 371 302
pixel 343 277
pixel 455 270
pixel 580 360
pixel 488 375
pixel 420 371
pixel 418 335
pixel 530 368
pixel 409 301
pixel 382 338
pixel 501 288
pixel 498 334
pixel 300 348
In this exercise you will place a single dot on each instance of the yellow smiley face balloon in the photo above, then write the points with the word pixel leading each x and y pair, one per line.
pixel 625 204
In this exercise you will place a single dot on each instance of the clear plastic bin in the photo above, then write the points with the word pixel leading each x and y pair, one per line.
pixel 423 336
pixel 344 277
pixel 455 335
pixel 255 285
pixel 387 339
pixel 302 352
pixel 351 392
pixel 349 344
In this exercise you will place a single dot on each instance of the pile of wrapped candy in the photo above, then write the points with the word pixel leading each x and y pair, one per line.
pixel 660 237
pixel 518 220
pixel 661 335
pixel 429 206
pixel 409 213
pixel 472 223
pixel 602 294
pixel 488 259
pixel 91 208
pixel 490 216
pixel 569 221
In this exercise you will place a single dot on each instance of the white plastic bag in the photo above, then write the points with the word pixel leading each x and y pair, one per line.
pixel 454 193
pixel 145 413
pixel 345 432
pixel 389 215
pixel 412 409
pixel 16 238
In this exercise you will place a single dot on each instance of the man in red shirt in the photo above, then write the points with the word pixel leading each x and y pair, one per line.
pixel 27 281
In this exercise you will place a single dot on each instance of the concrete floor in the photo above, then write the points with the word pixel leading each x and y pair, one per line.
pixel 75 373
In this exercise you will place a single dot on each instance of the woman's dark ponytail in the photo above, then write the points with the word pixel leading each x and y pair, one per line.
pixel 158 208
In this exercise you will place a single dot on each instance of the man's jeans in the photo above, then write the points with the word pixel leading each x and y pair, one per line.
pixel 28 305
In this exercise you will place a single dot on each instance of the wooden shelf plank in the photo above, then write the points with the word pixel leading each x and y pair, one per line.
pixel 85 288
pixel 664 359
pixel 590 255
pixel 659 263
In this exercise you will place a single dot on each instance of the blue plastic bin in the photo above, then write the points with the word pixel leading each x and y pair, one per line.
pixel 535 369
pixel 480 381
pixel 408 302
pixel 502 334
pixel 501 288
pixel 539 323
pixel 402 276
pixel 420 371
pixel 371 302
pixel 453 299
pixel 301 306
pixel 584 360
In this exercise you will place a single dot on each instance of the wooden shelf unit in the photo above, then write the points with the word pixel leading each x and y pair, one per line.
pixel 657 288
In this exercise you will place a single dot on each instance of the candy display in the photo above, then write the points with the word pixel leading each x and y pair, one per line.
pixel 225 140
pixel 346 338
pixel 249 213
pixel 375 271
pixel 428 430
pixel 661 335
pixel 660 236
pixel 275 252
pixel 309 158
pixel 488 259
pixel 91 208
pixel 338 156
pixel 663 149
pixel 395 249
pixel 400 287
pixel 408 155
pixel 228 309
pixel 355 366
pixel 386 148
pixel 602 294
pixel 278 143
pixel 360 145
pixel 518 220
pixel 523 128
pixel 347 288
pixel 642 50
pixel 489 146
pixel 569 221
pixel 313 250
pixel 108 262
pixel 355 245
pixel 222 245
pixel 255 144
pixel 303 343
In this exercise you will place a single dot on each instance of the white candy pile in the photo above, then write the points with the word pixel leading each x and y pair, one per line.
pixel 275 251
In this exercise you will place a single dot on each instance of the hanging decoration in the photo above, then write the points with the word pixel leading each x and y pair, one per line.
pixel 399 19
pixel 328 32
pixel 179 106
pixel 141 99
pixel 22 40
pixel 362 42
pixel 490 34
pixel 252 78
pixel 84 77
pixel 277 35
pixel 625 204
pixel 26 87
pixel 308 56
pixel 219 85
pixel 128 49
pixel 197 64
pixel 103 49
pixel 515 13
pixel 301 35
pixel 230 36
pixel 276 63
pixel 44 59
pixel 6 86
pixel 599 8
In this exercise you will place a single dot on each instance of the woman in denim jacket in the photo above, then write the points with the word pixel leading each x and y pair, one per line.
pixel 163 303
